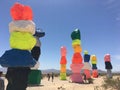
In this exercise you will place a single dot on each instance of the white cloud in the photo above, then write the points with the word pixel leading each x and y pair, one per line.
pixel 116 68
pixel 113 6
pixel 116 57
pixel 118 18
pixel 110 1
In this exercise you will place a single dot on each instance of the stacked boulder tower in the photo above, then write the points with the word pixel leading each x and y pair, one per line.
pixel 108 65
pixel 19 59
pixel 87 66
pixel 63 63
pixel 35 75
pixel 94 66
pixel 77 64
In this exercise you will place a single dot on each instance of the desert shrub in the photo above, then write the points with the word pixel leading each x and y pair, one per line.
pixel 43 76
pixel 56 74
pixel 97 88
pixel 90 80
pixel 111 84
pixel 102 74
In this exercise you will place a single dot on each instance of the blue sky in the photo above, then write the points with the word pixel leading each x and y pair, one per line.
pixel 98 21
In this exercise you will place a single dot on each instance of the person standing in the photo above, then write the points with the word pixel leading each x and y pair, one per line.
pixel 84 77
pixel 52 76
pixel 48 75
pixel 1 82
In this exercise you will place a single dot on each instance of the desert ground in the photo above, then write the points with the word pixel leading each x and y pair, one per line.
pixel 58 84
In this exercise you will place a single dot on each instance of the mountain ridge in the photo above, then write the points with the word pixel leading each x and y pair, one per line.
pixel 68 71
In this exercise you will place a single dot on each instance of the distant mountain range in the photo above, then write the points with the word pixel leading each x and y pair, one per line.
pixel 68 71
pixel 54 70
pixel 4 70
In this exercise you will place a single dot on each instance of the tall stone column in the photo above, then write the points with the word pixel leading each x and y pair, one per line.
pixel 87 67
pixel 19 58
pixel 94 66
pixel 108 65
pixel 77 64
pixel 63 63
